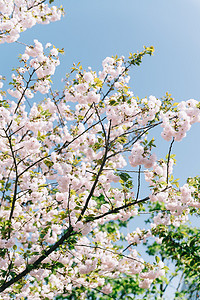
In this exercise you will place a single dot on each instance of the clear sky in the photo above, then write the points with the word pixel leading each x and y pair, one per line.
pixel 94 29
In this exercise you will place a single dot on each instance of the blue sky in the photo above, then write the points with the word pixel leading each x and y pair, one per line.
pixel 94 29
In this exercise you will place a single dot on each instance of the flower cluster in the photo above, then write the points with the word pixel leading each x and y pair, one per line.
pixel 35 74
pixel 18 15
pixel 176 124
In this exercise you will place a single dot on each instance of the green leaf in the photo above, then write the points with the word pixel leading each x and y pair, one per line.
pixel 124 176
pixel 157 259
pixel 98 82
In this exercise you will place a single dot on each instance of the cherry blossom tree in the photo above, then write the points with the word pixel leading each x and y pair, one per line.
pixel 66 170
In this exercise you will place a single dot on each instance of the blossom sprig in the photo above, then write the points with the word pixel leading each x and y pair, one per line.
pixel 18 15
pixel 35 75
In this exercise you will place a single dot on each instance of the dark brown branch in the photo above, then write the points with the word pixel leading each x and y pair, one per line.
pixel 117 209
pixel 35 5
pixel 16 179
pixel 168 159
pixel 36 264
pixel 66 143
pixel 108 250
pixel 134 140
pixel 103 129
pixel 138 189
pixel 68 205
pixel 97 177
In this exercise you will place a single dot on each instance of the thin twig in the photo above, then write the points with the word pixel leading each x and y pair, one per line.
pixel 168 159
pixel 138 189
pixel 110 251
